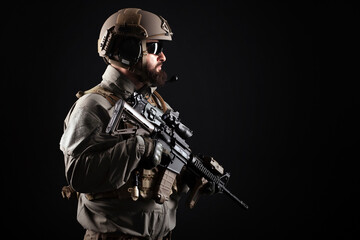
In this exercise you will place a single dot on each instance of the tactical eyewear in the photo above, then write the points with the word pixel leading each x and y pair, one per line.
pixel 155 47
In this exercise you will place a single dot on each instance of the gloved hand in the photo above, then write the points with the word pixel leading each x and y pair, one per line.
pixel 209 188
pixel 153 153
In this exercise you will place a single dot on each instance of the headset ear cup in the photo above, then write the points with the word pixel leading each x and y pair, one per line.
pixel 129 51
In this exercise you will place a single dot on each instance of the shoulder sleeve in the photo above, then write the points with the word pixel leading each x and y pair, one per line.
pixel 94 160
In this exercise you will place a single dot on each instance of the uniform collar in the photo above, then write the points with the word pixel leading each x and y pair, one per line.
pixel 120 85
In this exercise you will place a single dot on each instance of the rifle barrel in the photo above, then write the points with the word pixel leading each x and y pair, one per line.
pixel 236 199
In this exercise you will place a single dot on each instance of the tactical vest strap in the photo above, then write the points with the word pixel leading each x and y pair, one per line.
pixel 112 98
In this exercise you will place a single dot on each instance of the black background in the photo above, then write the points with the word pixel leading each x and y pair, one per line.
pixel 268 87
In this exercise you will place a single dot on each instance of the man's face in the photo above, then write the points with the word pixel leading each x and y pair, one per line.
pixel 153 69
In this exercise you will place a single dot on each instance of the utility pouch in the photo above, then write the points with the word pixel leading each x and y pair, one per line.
pixel 148 180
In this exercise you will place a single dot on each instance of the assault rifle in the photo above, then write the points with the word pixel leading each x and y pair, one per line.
pixel 171 133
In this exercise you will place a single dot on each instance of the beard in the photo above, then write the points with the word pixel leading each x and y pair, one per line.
pixel 156 79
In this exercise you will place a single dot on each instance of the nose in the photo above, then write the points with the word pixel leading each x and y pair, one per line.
pixel 161 57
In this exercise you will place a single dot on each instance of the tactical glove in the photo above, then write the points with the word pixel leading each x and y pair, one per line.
pixel 209 188
pixel 153 153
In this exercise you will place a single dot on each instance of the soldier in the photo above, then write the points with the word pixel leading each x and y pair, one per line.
pixel 114 176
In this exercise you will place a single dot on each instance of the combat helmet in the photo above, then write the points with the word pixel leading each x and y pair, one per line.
pixel 123 37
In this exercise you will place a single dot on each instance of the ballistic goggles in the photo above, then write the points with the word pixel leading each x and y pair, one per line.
pixel 155 47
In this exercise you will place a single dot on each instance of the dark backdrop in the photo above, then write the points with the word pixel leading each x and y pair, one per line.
pixel 268 88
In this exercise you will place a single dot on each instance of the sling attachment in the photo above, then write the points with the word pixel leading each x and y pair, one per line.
pixel 134 191
pixel 161 100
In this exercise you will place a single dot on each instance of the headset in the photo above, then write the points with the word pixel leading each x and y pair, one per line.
pixel 128 50
pixel 124 49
